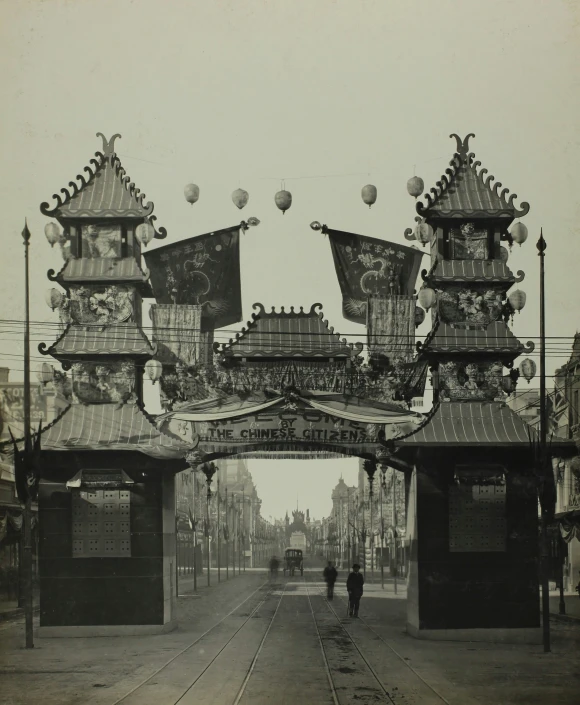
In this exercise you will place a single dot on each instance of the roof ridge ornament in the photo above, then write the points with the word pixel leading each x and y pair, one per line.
pixel 108 145
pixel 462 145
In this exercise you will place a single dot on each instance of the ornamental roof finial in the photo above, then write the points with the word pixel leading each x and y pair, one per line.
pixel 108 145
pixel 462 145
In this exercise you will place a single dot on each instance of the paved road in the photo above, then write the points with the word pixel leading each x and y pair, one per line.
pixel 252 641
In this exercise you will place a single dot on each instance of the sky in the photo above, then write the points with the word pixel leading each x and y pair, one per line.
pixel 327 96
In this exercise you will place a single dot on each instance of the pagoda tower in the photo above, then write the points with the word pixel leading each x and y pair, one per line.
pixel 106 496
pixel 472 518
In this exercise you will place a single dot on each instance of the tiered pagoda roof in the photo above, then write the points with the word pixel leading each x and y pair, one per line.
pixel 288 335
pixel 102 270
pixel 496 337
pixel 473 271
pixel 110 427
pixel 117 339
pixel 465 192
pixel 104 191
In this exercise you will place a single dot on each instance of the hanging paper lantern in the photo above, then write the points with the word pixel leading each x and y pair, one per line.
pixel 191 192
pixel 519 233
pixel 424 233
pixel 415 186
pixel 419 316
pixel 508 385
pixel 427 298
pixel 53 298
pixel 145 233
pixel 527 369
pixel 369 194
pixel 52 233
pixel 517 299
pixel 240 198
pixel 253 222
pixel 154 369
pixel 283 200
pixel 503 254
pixel 45 373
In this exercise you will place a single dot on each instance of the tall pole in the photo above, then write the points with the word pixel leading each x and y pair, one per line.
pixel 194 531
pixel 382 529
pixel 541 246
pixel 227 536
pixel 27 519
pixel 244 525
pixel 394 514
pixel 372 535
pixel 218 531
pixel 208 497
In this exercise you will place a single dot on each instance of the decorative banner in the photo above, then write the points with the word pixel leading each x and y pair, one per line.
pixel 391 327
pixel 367 267
pixel 177 332
pixel 201 271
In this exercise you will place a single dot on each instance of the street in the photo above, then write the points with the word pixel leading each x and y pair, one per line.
pixel 256 640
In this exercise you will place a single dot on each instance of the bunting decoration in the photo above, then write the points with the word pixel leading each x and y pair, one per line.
pixel 366 266
pixel 201 271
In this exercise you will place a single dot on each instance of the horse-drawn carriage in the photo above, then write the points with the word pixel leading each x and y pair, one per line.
pixel 293 561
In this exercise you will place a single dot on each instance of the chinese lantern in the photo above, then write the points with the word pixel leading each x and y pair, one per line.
pixel 503 254
pixel 45 373
pixel 419 316
pixel 527 369
pixel 427 298
pixel 240 198
pixel 424 233
pixel 154 369
pixel 52 233
pixel 53 298
pixel 369 194
pixel 283 200
pixel 415 186
pixel 145 233
pixel 517 299
pixel 508 385
pixel 519 233
pixel 191 192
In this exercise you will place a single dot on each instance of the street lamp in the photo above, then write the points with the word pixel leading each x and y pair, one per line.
pixel 209 470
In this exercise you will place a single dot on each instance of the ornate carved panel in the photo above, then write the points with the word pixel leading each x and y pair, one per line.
pixel 99 304
pixel 465 381
pixel 473 306
pixel 95 383
pixel 469 242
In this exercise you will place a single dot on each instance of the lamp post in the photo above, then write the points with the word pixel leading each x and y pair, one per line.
pixel 542 459
pixel 382 487
pixel 244 525
pixel 227 538
pixel 218 532
pixel 209 470
pixel 27 458
pixel 394 520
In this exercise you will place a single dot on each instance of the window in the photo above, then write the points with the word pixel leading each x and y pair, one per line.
pixel 477 517
pixel 101 523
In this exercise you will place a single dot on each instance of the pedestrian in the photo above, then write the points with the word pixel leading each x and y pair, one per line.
pixel 330 575
pixel 274 567
pixel 354 586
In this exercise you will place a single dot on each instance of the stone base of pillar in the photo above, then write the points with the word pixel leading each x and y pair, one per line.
pixel 531 635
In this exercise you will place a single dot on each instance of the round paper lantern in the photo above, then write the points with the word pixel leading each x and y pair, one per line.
pixel 191 193
pixel 519 233
pixel 419 316
pixel 508 384
pixel 45 373
pixel 415 186
pixel 503 254
pixel 369 194
pixel 145 233
pixel 517 299
pixel 240 198
pixel 53 298
pixel 154 369
pixel 283 200
pixel 424 233
pixel 427 298
pixel 52 233
pixel 527 369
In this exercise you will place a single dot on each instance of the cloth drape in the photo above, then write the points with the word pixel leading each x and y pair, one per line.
pixel 391 327
pixel 177 332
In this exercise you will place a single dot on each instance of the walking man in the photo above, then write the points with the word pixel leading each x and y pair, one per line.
pixel 354 586
pixel 330 576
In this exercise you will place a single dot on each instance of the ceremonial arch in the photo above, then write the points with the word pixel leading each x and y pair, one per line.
pixel 288 386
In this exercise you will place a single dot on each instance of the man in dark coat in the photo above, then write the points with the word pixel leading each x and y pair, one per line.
pixel 354 586
pixel 330 576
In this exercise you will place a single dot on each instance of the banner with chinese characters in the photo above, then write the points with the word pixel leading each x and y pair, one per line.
pixel 201 271
pixel 366 266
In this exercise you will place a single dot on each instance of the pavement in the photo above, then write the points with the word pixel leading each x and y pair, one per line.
pixel 250 640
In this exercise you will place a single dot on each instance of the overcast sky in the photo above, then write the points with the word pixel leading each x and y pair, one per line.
pixel 326 95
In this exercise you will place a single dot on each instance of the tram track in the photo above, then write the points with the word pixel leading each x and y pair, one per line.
pixel 386 643
pixel 196 641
